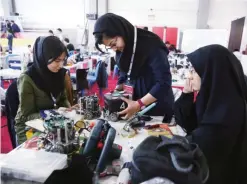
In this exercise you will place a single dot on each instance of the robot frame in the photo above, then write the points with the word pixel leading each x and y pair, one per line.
pixel 89 106
pixel 114 104
pixel 60 135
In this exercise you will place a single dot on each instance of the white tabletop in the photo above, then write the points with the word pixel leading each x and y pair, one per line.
pixel 10 73
pixel 128 144
pixel 77 65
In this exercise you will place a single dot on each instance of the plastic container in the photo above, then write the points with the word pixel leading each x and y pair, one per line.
pixel 31 165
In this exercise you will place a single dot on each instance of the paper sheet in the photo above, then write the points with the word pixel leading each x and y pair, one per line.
pixel 36 124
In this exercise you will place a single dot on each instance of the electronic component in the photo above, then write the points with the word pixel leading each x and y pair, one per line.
pixel 114 104
pixel 128 127
pixel 60 135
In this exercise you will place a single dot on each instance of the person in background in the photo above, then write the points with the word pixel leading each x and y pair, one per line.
pixel 42 86
pixel 15 28
pixel 50 33
pixel 3 30
pixel 69 46
pixel 60 34
pixel 149 75
pixel 10 36
pixel 145 28
pixel 30 48
pixel 8 25
pixel 168 44
pixel 30 55
pixel 172 49
pixel 216 121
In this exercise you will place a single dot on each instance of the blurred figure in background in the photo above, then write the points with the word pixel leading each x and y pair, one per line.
pixel 172 48
pixel 145 28
pixel 59 34
pixel 50 33
pixel 30 54
pixel 10 36
pixel 16 29
pixel 3 30
pixel 1 48
pixel 168 44
pixel 69 46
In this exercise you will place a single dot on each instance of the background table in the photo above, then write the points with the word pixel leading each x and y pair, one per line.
pixel 10 73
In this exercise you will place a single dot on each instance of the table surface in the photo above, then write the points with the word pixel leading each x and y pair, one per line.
pixel 128 144
pixel 10 73
pixel 75 65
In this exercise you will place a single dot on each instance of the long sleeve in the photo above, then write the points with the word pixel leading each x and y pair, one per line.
pixel 185 112
pixel 27 109
pixel 161 71
pixel 222 147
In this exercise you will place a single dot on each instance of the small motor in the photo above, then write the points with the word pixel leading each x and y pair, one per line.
pixel 89 106
pixel 114 104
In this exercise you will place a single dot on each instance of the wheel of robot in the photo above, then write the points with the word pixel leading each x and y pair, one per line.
pixel 88 115
pixel 114 117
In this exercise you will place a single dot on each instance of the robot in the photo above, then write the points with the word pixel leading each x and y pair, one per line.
pixel 89 105
pixel 114 104
pixel 60 135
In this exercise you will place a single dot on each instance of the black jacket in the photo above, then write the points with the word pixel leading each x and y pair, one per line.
pixel 216 121
pixel 11 106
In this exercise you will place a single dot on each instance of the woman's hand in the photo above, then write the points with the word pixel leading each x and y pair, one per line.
pixel 133 107
pixel 187 86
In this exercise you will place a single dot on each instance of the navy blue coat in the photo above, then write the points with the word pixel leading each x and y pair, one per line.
pixel 154 78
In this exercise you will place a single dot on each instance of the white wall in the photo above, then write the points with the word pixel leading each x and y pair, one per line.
pixel 1 8
pixel 196 38
pixel 5 7
pixel 203 13
pixel 222 12
pixel 51 13
pixel 178 13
